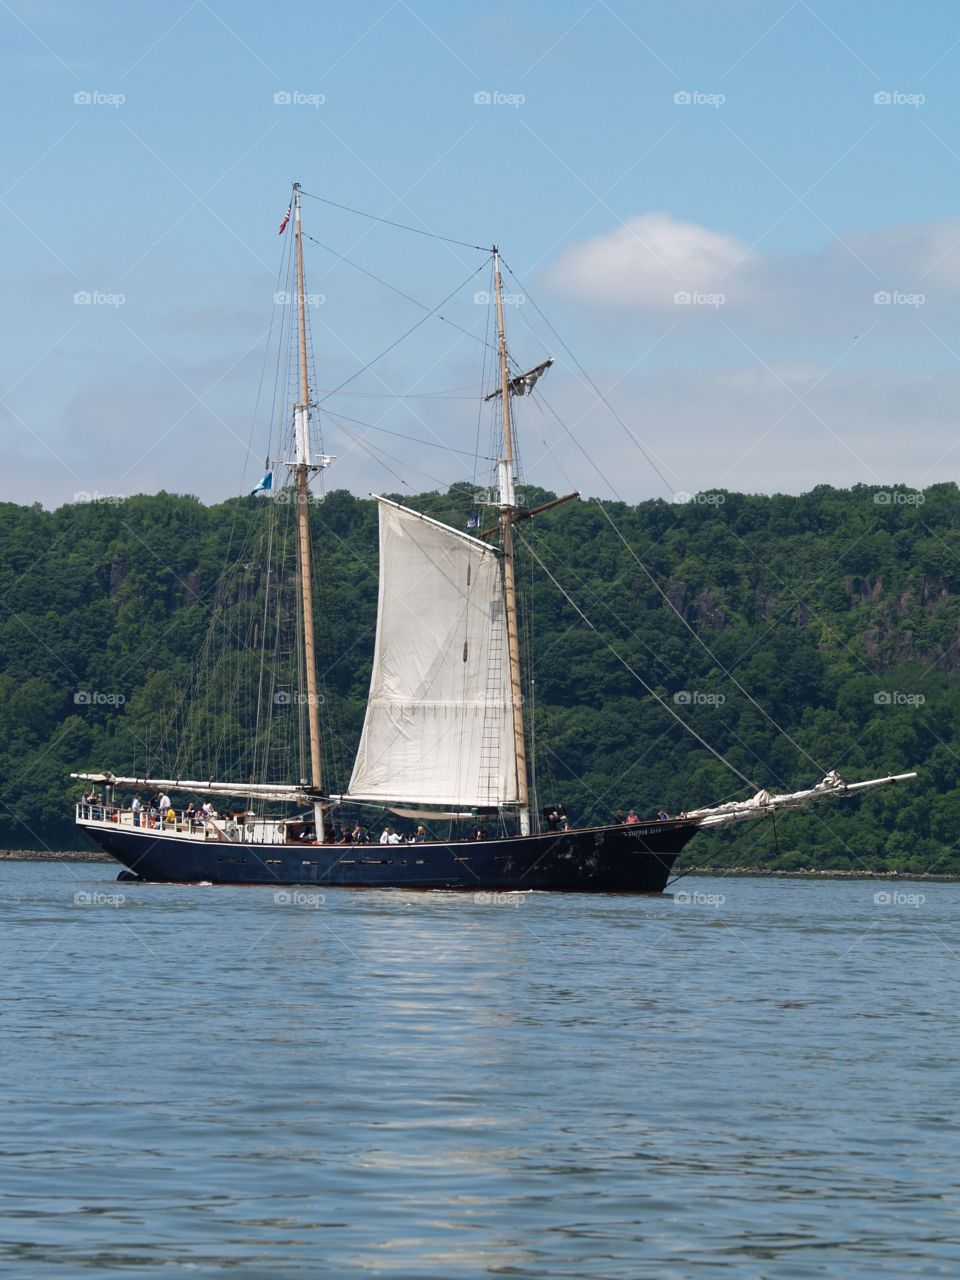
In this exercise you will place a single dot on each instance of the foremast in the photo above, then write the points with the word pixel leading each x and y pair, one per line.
pixel 302 470
pixel 507 503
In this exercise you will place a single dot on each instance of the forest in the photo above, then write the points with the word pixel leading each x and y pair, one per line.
pixel 793 634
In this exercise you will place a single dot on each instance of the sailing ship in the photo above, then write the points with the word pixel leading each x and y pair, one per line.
pixel 444 740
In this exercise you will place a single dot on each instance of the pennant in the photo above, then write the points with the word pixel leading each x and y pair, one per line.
pixel 265 485
pixel 286 219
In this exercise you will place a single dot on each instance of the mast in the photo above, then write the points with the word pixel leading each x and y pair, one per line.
pixel 508 506
pixel 301 422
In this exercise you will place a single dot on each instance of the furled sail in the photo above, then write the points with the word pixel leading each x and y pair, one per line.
pixel 439 727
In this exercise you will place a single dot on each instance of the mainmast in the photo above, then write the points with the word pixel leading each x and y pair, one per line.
pixel 508 510
pixel 304 465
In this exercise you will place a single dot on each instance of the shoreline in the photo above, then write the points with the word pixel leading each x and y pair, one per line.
pixel 803 873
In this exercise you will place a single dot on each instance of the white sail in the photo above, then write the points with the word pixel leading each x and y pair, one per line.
pixel 439 726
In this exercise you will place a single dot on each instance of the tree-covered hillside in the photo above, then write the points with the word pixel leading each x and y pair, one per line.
pixel 838 611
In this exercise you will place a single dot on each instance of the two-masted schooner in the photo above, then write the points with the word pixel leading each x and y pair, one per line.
pixel 443 742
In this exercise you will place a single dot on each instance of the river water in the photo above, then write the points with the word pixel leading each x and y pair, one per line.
pixel 755 1078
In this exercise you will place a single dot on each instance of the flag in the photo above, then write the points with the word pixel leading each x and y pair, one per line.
pixel 265 485
pixel 286 219
pixel 473 522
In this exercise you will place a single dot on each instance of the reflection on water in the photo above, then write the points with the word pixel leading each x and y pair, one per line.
pixel 753 1079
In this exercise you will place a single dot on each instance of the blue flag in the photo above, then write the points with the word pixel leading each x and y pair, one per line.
pixel 265 485
pixel 473 522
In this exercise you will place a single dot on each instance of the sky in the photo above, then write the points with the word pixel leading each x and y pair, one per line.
pixel 741 217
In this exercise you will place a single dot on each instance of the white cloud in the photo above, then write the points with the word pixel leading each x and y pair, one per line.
pixel 638 270
pixel 646 261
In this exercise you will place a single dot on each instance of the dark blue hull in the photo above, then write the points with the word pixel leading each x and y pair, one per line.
pixel 617 859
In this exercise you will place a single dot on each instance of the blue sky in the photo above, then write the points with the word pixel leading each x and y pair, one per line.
pixel 812 173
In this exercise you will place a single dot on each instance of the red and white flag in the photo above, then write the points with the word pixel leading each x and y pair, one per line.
pixel 283 224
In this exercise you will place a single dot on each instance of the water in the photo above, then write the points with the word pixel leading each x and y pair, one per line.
pixel 201 1080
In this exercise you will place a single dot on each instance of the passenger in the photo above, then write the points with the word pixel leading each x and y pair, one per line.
pixel 632 819
pixel 663 815
pixel 393 837
pixel 420 836
pixel 208 810
pixel 618 816
pixel 136 806
pixel 171 816
pixel 481 833
pixel 163 804
pixel 385 835
pixel 358 835
pixel 553 819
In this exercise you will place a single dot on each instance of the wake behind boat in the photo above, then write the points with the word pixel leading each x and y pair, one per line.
pixel 444 741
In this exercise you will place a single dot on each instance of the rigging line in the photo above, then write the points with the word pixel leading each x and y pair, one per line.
pixel 653 693
pixel 387 285
pixel 706 648
pixel 400 225
pixel 373 450
pixel 400 435
pixel 413 395
pixel 402 337
pixel 666 483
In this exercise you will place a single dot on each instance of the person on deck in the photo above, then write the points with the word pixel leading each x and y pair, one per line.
pixel 632 819
pixel 135 807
